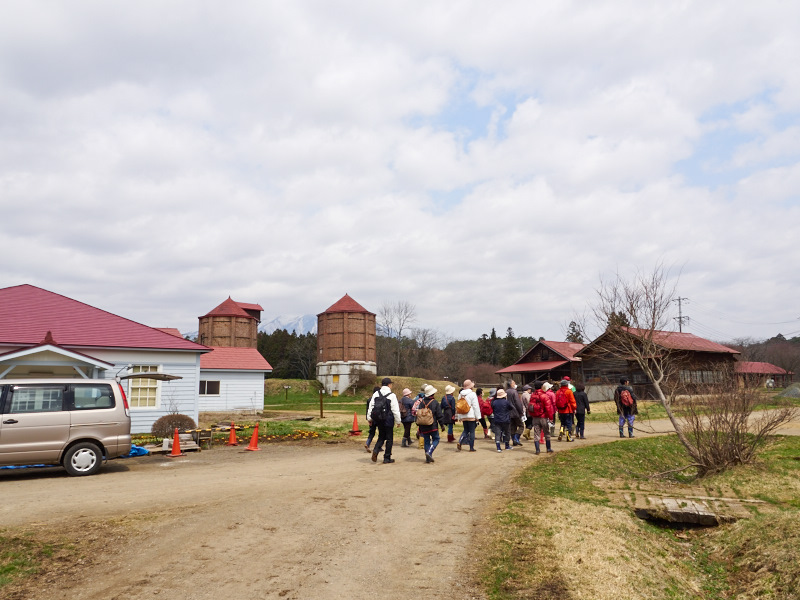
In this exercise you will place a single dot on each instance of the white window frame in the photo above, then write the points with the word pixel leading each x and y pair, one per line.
pixel 147 384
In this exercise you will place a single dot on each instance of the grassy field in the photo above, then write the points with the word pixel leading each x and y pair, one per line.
pixel 567 528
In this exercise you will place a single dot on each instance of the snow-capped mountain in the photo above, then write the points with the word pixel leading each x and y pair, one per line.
pixel 300 325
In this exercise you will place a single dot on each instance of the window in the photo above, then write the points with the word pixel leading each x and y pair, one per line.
pixel 209 388
pixel 26 399
pixel 144 392
pixel 89 397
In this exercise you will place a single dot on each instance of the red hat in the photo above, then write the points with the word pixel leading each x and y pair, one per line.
pixel 567 378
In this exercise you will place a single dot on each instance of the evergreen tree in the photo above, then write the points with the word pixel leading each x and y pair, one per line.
pixel 574 333
pixel 511 351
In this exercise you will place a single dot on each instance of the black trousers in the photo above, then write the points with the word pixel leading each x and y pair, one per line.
pixel 385 434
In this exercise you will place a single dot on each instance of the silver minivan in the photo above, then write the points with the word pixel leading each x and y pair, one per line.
pixel 77 423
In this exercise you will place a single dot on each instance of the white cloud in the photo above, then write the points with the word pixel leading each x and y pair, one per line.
pixel 155 159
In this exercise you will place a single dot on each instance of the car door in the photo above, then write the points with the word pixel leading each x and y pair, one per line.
pixel 35 426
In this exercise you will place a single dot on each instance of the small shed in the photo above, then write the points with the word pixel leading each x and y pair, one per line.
pixel 762 374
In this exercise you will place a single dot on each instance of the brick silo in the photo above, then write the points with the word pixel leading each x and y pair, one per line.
pixel 345 343
pixel 230 325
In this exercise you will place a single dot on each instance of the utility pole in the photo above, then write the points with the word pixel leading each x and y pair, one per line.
pixel 680 318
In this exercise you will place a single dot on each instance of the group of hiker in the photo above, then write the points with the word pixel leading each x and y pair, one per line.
pixel 505 411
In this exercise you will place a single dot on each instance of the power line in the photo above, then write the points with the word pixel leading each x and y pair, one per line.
pixel 712 312
pixel 680 318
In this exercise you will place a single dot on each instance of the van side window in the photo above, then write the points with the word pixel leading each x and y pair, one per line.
pixel 90 397
pixel 28 399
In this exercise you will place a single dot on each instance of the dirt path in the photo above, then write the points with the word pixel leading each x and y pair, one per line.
pixel 290 521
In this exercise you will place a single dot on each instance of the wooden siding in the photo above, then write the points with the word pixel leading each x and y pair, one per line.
pixel 236 390
pixel 346 337
pixel 228 332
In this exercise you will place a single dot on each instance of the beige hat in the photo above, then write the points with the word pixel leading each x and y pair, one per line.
pixel 407 392
pixel 546 386
pixel 449 389
pixel 468 385
pixel 430 391
pixel 501 393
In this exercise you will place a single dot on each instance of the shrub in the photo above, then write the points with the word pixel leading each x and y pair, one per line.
pixel 165 426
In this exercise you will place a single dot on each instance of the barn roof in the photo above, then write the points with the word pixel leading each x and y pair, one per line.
pixel 676 340
pixel 28 313
pixel 346 304
pixel 759 368
pixel 533 367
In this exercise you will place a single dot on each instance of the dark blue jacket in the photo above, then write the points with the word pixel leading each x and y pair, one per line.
pixel 502 410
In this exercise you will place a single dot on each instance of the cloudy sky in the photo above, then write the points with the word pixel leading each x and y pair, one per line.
pixel 487 162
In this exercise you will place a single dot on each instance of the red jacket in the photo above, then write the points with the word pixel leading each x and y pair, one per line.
pixel 571 404
pixel 540 406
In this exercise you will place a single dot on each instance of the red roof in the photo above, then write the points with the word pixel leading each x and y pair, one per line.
pixel 27 313
pixel 248 306
pixel 229 308
pixel 565 349
pixel 234 359
pixel 346 304
pixel 684 341
pixel 533 367
pixel 759 368
pixel 171 331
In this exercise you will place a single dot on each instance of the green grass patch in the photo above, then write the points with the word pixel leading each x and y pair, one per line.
pixel 20 557
pixel 561 500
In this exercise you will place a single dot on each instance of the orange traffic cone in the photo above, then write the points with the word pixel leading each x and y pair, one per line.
pixel 253 440
pixel 232 440
pixel 355 430
pixel 176 445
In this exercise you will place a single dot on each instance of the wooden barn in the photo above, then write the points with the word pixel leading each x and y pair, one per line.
pixel 764 374
pixel 699 363
pixel 546 361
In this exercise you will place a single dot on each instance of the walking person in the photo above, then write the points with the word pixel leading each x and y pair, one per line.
pixel 518 415
pixel 428 417
pixel 565 405
pixel 582 409
pixel 469 419
pixel 384 410
pixel 547 388
pixel 486 412
pixel 449 411
pixel 526 402
pixel 501 409
pixel 627 408
pixel 541 412
pixel 407 416
pixel 373 427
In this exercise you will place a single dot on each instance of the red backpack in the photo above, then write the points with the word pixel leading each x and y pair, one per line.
pixel 625 398
pixel 537 407
pixel 562 402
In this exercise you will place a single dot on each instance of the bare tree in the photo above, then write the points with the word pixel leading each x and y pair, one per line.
pixel 394 320
pixel 634 315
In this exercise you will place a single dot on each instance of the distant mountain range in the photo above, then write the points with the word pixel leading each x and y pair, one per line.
pixel 300 325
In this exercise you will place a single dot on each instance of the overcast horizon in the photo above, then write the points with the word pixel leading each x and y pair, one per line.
pixel 488 163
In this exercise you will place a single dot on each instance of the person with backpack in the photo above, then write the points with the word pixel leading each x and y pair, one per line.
pixel 541 413
pixel 565 405
pixel 384 411
pixel 407 416
pixel 486 412
pixel 428 418
pixel 468 400
pixel 627 409
pixel 526 402
pixel 582 409
pixel 547 387
pixel 449 411
pixel 373 427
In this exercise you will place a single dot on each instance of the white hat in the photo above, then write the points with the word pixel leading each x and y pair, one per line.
pixel 546 386
pixel 430 391
pixel 449 389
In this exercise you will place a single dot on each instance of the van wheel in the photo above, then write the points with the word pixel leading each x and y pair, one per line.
pixel 83 459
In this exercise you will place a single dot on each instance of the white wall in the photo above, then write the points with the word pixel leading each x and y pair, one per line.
pixel 237 389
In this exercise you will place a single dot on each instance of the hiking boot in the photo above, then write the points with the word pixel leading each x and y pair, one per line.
pixel 367 447
pixel 428 458
pixel 499 450
pixel 621 433
pixel 527 434
pixel 509 447
pixel 458 446
pixel 630 432
pixel 375 456
pixel 472 450
pixel 387 461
